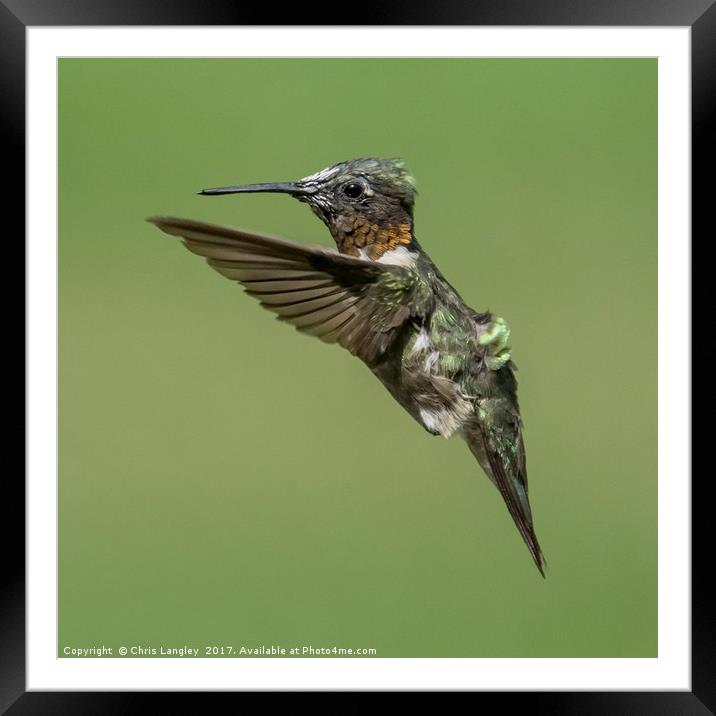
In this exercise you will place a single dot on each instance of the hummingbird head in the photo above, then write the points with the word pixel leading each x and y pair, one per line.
pixel 367 204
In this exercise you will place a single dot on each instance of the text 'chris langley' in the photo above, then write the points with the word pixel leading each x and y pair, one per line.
pixel 130 651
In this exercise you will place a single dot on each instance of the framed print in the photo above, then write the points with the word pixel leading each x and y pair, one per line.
pixel 216 503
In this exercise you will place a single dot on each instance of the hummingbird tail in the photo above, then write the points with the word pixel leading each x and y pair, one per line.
pixel 510 478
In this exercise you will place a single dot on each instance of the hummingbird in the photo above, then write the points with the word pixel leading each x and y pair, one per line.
pixel 379 295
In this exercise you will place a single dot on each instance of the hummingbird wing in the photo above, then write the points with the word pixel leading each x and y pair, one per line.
pixel 356 303
pixel 494 436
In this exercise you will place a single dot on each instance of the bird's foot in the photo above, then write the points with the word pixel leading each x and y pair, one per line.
pixel 496 338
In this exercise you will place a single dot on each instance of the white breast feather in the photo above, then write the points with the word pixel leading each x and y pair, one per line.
pixel 399 256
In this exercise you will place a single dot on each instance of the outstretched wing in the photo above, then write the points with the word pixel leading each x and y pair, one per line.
pixel 356 303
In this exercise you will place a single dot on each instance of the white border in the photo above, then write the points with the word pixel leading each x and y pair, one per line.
pixel 671 670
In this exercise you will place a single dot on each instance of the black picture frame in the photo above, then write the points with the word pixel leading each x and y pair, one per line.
pixel 699 15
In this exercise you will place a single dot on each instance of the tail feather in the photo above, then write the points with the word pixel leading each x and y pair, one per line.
pixel 510 477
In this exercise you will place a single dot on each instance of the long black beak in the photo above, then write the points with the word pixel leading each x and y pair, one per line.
pixel 281 187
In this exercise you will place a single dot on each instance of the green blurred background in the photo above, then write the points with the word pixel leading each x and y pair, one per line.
pixel 225 480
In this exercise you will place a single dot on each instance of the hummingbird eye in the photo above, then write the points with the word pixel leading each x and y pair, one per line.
pixel 353 190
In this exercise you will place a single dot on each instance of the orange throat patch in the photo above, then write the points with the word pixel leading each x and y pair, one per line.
pixel 373 240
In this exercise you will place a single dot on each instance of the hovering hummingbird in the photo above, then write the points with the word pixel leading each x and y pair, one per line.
pixel 381 297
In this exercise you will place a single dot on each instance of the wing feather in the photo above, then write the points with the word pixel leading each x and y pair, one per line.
pixel 281 298
pixel 356 303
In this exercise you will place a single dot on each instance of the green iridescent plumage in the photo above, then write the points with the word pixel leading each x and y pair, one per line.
pixel 382 298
